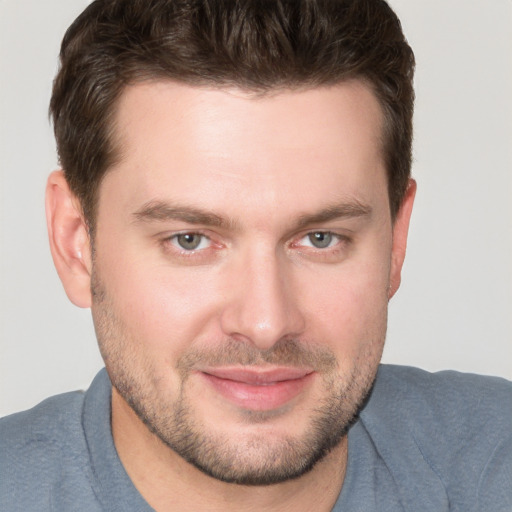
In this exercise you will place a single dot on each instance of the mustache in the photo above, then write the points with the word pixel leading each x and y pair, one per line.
pixel 286 352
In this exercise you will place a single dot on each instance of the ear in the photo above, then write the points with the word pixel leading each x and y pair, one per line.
pixel 69 240
pixel 400 230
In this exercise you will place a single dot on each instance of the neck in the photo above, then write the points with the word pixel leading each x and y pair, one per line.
pixel 174 484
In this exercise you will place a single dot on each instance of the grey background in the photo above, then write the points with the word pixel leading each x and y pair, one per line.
pixel 454 309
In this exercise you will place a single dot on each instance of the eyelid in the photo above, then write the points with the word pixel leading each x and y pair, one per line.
pixel 337 236
pixel 168 241
pixel 204 239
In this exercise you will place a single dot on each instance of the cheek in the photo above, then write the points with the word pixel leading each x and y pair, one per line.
pixel 350 310
pixel 164 309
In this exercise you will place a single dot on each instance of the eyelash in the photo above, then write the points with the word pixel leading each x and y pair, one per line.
pixel 331 254
pixel 203 238
pixel 170 244
pixel 333 237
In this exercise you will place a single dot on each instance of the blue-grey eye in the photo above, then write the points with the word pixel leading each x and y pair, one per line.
pixel 189 241
pixel 320 239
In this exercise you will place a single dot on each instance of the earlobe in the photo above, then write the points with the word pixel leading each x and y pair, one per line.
pixel 69 240
pixel 400 231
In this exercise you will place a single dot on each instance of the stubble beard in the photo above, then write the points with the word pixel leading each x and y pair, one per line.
pixel 260 459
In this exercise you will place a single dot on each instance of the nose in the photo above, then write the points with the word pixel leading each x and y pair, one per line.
pixel 262 307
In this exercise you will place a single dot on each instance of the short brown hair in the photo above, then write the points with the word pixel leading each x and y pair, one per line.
pixel 257 45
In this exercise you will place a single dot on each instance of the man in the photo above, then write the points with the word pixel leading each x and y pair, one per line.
pixel 234 209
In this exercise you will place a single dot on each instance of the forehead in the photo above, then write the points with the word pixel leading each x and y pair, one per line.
pixel 327 110
pixel 207 145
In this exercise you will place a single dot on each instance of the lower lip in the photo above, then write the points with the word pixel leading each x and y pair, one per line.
pixel 258 397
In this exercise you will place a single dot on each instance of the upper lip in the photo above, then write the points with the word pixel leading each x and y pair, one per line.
pixel 258 376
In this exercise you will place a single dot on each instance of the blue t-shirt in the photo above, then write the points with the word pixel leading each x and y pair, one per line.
pixel 424 442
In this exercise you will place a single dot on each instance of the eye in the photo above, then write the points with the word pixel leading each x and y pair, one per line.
pixel 190 241
pixel 320 239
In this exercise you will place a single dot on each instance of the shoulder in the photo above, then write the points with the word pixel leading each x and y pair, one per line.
pixel 457 425
pixel 445 389
pixel 453 401
pixel 35 449
pixel 42 425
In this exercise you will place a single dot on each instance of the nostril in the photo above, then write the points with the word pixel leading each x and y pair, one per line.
pixel 261 307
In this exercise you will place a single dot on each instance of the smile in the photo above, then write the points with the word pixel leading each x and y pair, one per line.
pixel 258 390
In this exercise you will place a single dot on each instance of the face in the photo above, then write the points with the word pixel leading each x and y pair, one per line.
pixel 243 257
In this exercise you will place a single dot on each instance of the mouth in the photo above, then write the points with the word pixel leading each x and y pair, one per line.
pixel 258 389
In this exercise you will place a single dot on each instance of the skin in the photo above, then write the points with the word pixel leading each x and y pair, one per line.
pixel 274 174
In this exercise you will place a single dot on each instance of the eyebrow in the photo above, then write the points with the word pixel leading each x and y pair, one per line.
pixel 350 209
pixel 162 211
